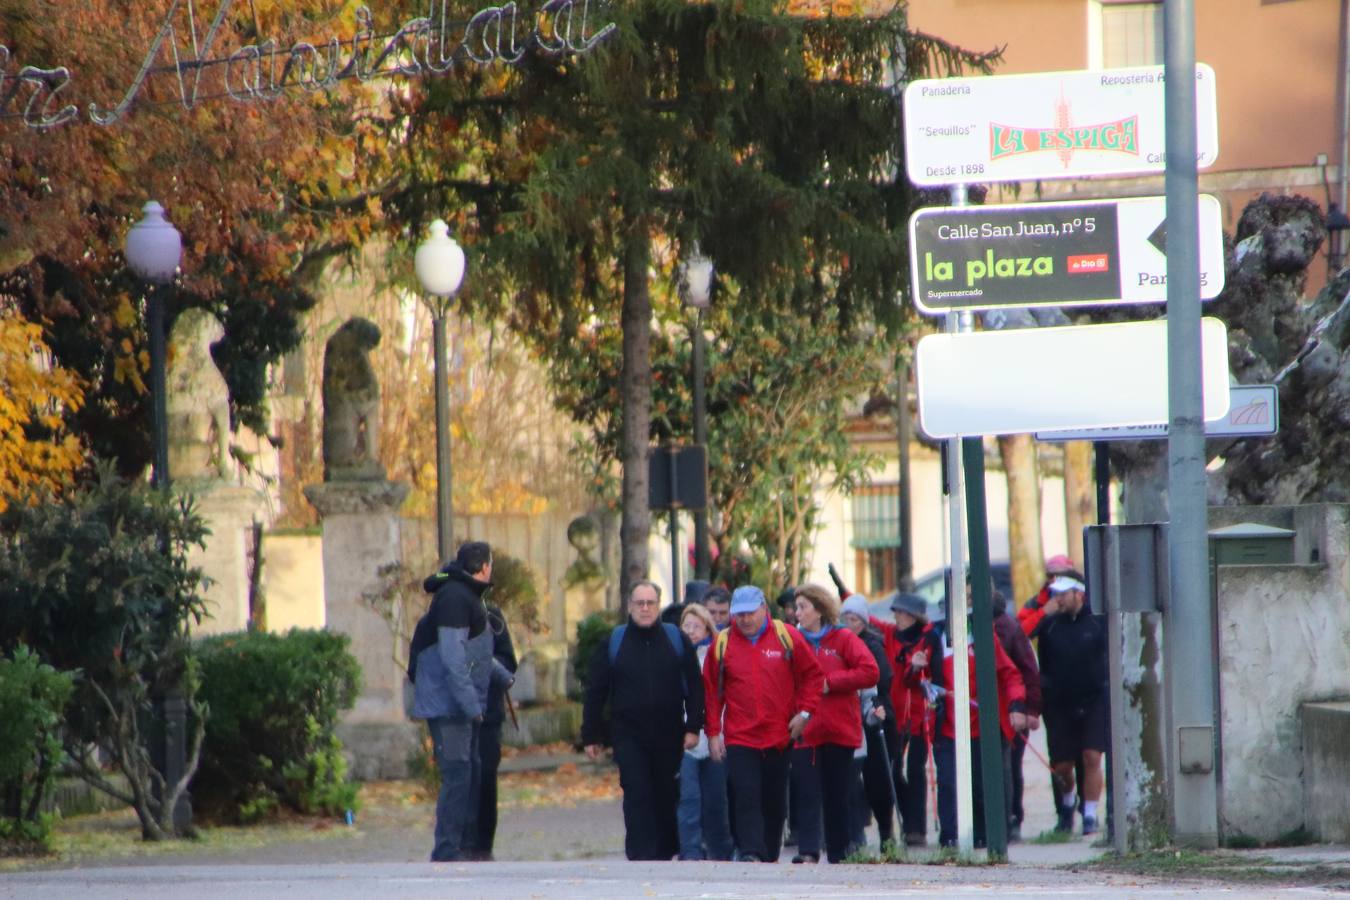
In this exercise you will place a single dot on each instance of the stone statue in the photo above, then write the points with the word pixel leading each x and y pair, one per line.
pixel 585 580
pixel 351 404
pixel 198 401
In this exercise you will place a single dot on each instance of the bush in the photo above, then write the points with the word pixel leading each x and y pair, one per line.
pixel 274 701
pixel 592 631
pixel 32 698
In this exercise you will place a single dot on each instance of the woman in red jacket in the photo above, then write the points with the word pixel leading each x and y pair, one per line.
pixel 822 759
pixel 915 651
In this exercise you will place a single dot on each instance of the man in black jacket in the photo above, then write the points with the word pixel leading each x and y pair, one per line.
pixel 1072 649
pixel 648 673
pixel 450 663
pixel 490 740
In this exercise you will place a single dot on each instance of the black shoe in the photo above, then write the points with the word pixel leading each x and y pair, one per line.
pixel 1089 825
pixel 1065 823
pixel 1014 833
pixel 916 840
pixel 805 858
pixel 750 857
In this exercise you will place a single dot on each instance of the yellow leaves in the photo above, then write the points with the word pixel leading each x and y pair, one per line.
pixel 125 315
pixel 33 394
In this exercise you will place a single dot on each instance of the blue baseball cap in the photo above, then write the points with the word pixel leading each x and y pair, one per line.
pixel 746 599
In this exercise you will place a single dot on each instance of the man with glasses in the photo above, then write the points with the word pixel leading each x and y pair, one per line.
pixel 648 674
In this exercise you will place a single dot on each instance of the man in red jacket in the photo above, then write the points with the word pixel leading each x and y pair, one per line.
pixel 762 684
pixel 1011 702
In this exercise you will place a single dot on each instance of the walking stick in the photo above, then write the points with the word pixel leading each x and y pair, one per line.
pixel 511 708
pixel 891 763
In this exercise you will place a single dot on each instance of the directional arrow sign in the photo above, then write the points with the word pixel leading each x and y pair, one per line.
pixel 1047 125
pixel 1080 253
pixel 1253 411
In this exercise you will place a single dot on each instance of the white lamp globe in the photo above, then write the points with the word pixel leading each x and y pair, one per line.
pixel 154 247
pixel 439 262
pixel 696 280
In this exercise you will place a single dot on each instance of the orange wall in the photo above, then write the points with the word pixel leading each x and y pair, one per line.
pixel 1039 35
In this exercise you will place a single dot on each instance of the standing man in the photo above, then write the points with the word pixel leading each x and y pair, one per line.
pixel 490 743
pixel 718 603
pixel 1072 649
pixel 648 674
pixel 763 684
pixel 450 663
pixel 1018 647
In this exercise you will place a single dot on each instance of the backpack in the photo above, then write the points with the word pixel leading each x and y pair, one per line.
pixel 673 634
pixel 719 648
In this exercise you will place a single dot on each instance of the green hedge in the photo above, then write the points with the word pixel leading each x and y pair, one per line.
pixel 33 697
pixel 273 701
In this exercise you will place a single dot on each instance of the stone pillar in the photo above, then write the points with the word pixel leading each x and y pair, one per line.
pixel 360 538
pixel 229 511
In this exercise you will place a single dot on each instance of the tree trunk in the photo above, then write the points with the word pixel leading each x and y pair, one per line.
pixel 1080 499
pixel 636 524
pixel 1024 514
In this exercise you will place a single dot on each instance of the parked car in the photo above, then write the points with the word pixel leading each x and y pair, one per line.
pixel 932 587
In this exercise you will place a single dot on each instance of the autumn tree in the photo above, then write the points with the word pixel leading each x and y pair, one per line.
pixel 262 192
pixel 769 139
pixel 36 450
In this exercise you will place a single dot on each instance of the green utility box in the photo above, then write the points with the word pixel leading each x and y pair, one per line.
pixel 1250 544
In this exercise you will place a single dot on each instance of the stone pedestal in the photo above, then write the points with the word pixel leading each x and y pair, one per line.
pixel 229 511
pixel 361 537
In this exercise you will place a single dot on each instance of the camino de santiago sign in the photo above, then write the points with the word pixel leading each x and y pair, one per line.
pixel 1052 254
pixel 1047 125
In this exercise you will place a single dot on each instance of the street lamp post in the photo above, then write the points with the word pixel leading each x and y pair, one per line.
pixel 440 269
pixel 696 279
pixel 153 250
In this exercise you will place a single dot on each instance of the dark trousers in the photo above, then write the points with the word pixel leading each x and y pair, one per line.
pixel 944 754
pixel 911 782
pixel 1015 754
pixel 758 780
pixel 877 786
pixel 821 790
pixel 490 757
pixel 649 777
pixel 455 742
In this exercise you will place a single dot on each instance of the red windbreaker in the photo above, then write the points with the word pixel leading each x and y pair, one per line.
pixel 761 688
pixel 1031 613
pixel 1011 693
pixel 907 696
pixel 848 667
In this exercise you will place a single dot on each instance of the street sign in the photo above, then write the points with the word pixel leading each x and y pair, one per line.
pixel 677 477
pixel 1253 411
pixel 1047 125
pixel 1052 379
pixel 1080 253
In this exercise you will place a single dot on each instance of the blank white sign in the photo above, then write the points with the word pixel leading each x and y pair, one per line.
pixel 1044 379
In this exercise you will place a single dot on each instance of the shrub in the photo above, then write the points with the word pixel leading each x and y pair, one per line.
pixel 274 701
pixel 98 580
pixel 32 698
pixel 592 631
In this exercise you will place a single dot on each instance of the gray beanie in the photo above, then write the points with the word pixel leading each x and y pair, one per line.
pixel 910 603
pixel 856 604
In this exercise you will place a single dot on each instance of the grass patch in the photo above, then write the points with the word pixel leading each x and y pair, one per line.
pixel 1051 836
pixel 1216 865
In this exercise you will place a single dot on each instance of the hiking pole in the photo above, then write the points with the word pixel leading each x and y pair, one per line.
pixel 890 779
pixel 1025 740
pixel 511 708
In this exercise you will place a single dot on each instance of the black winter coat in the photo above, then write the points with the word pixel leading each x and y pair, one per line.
pixel 654 697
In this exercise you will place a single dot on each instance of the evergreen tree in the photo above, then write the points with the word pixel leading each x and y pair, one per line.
pixel 771 140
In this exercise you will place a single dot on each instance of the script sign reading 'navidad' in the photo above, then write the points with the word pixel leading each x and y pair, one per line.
pixel 1047 125
pixel 1052 254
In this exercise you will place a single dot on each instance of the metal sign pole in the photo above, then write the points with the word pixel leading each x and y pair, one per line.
pixel 1190 641
pixel 956 614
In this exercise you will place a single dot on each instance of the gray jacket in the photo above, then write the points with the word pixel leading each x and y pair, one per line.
pixel 450 660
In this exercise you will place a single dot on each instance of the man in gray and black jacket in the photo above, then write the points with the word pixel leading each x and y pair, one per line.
pixel 452 668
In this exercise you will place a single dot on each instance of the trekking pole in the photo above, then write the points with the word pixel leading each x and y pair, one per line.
pixel 1025 739
pixel 891 763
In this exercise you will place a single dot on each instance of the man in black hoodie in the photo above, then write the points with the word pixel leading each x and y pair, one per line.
pixel 451 665
pixel 490 741
pixel 648 673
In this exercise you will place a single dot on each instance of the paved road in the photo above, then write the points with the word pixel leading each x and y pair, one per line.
pixel 592 880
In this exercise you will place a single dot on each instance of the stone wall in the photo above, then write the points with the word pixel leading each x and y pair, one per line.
pixel 1283 640
pixel 1326 770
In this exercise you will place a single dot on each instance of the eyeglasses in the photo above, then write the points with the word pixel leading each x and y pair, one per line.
pixel 644 602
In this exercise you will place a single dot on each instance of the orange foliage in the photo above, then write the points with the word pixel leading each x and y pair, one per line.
pixel 32 395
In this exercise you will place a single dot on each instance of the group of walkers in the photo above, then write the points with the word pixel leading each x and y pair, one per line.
pixel 729 725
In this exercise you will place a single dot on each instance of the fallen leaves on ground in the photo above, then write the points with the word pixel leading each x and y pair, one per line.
pixel 557 748
pixel 566 785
